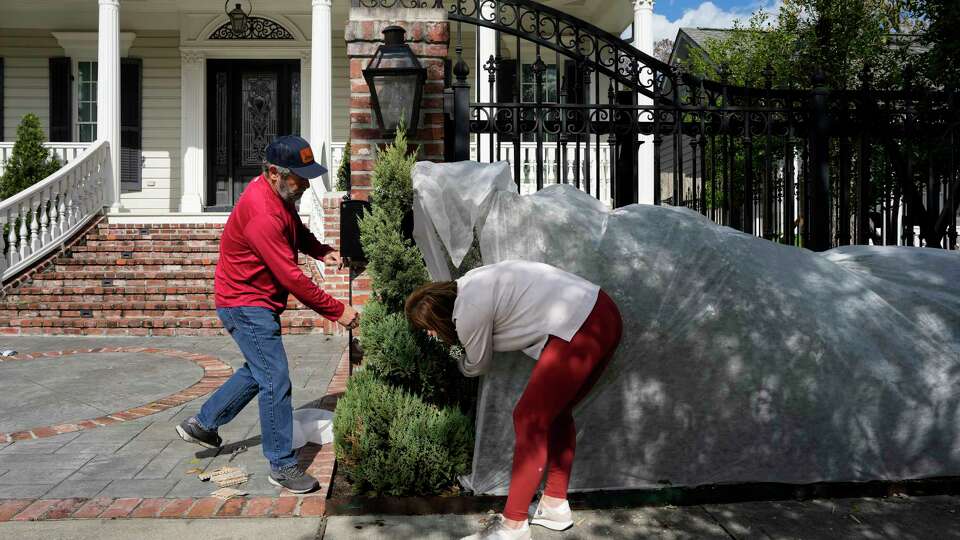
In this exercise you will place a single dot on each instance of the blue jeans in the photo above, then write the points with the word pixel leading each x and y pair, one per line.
pixel 257 331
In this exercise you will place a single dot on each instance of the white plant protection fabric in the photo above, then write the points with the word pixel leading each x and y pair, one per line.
pixel 742 360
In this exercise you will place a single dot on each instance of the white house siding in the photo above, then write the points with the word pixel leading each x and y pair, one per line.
pixel 160 185
pixel 341 88
pixel 26 88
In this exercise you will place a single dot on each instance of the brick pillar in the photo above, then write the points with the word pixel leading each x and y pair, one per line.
pixel 428 34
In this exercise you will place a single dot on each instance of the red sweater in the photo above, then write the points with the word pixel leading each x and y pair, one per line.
pixel 258 256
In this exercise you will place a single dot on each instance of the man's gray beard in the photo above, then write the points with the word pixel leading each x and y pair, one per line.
pixel 287 194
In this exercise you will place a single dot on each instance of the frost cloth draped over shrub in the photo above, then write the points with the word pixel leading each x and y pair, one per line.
pixel 742 360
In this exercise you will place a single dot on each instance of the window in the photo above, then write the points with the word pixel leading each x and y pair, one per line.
pixel 87 101
pixel 528 86
pixel 528 93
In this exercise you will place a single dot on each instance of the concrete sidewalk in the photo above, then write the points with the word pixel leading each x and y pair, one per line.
pixel 897 518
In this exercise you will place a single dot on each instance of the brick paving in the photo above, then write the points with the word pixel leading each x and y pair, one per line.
pixel 215 373
pixel 138 468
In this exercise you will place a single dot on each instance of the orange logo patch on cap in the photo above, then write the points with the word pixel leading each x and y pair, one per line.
pixel 306 155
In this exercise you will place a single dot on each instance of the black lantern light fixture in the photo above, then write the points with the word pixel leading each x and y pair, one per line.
pixel 395 78
pixel 238 18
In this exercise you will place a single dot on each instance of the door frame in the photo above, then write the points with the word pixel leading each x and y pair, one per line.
pixel 195 50
pixel 287 68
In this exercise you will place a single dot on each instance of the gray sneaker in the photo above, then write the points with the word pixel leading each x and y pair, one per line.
pixel 294 479
pixel 191 431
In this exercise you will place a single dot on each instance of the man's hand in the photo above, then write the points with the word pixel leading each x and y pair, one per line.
pixel 350 318
pixel 333 258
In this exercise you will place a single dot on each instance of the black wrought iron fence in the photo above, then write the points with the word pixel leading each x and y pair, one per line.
pixel 566 102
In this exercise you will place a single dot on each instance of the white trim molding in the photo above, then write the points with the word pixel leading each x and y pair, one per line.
pixel 83 45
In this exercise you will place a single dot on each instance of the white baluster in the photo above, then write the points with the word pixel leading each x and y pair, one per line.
pixel 3 247
pixel 70 195
pixel 45 200
pixel 62 215
pixel 102 180
pixel 55 211
pixel 35 244
pixel 551 177
pixel 89 181
pixel 13 253
pixel 83 179
pixel 23 241
pixel 526 171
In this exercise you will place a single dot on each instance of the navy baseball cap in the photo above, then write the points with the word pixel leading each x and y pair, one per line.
pixel 294 153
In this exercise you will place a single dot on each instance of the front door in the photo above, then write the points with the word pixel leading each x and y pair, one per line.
pixel 249 103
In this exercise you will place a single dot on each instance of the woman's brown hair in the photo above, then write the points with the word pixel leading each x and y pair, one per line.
pixel 431 308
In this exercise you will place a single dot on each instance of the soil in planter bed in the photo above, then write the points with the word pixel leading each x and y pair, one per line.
pixel 341 487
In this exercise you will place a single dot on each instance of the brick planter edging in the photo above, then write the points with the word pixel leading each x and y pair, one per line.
pixel 320 464
pixel 215 372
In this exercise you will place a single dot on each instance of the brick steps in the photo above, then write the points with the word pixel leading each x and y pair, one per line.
pixel 27 297
pixel 119 312
pixel 83 302
pixel 145 326
pixel 103 264
pixel 161 283
pixel 133 236
pixel 141 250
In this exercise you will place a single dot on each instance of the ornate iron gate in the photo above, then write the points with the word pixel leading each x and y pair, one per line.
pixel 567 102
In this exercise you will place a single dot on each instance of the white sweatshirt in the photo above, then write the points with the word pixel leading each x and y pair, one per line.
pixel 517 305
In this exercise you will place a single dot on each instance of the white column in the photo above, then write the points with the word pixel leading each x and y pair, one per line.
pixel 192 75
pixel 643 40
pixel 321 101
pixel 487 45
pixel 108 91
pixel 306 203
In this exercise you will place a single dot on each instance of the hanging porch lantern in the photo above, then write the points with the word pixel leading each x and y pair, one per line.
pixel 395 78
pixel 238 18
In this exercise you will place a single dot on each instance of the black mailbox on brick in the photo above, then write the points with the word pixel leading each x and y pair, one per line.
pixel 351 210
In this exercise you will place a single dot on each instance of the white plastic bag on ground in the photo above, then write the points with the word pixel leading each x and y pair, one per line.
pixel 312 425
pixel 742 360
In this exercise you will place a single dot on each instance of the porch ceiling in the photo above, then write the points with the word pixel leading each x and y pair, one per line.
pixel 615 16
pixel 82 14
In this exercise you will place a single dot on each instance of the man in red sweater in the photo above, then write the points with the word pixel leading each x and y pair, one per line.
pixel 256 270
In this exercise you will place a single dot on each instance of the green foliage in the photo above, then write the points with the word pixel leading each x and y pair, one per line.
pixel 30 162
pixel 393 434
pixel 395 265
pixel 942 59
pixel 411 360
pixel 838 37
pixel 391 442
pixel 343 171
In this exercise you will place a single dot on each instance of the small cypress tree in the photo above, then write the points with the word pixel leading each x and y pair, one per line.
pixel 400 428
pixel 343 171
pixel 395 265
pixel 30 161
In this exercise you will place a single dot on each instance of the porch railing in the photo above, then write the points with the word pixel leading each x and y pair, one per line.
pixel 64 151
pixel 40 219
pixel 558 168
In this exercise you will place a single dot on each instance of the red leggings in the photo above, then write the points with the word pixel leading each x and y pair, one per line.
pixel 543 418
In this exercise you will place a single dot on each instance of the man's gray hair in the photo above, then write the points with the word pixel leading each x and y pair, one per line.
pixel 265 167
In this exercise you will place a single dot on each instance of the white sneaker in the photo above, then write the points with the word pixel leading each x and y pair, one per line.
pixel 556 519
pixel 494 529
